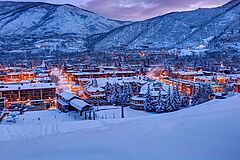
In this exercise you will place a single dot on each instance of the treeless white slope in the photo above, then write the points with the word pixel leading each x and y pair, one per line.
pixel 206 132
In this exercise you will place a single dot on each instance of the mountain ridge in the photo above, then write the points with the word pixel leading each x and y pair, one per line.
pixel 67 27
pixel 15 15
pixel 189 26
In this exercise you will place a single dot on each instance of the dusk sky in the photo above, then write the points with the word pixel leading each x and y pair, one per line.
pixel 137 9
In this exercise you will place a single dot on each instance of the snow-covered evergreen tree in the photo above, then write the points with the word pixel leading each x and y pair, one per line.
pixel 108 91
pixel 123 96
pixel 185 99
pixel 147 104
pixel 209 92
pixel 129 92
pixel 168 106
pixel 195 97
pixel 115 98
pixel 177 100
pixel 202 94
pixel 160 102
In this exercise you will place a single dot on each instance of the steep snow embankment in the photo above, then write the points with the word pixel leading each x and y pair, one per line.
pixel 208 131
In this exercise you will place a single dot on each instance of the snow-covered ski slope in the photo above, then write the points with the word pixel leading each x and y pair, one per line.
pixel 206 132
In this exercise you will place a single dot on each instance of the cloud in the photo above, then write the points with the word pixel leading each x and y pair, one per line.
pixel 142 9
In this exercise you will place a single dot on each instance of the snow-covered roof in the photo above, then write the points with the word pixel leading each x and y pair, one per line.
pixel 137 98
pixel 67 95
pixel 27 86
pixel 79 104
pixel 42 79
pixel 17 73
pixel 217 77
pixel 42 75
pixel 99 73
pixel 25 81
pixel 153 88
pixel 188 73
pixel 102 82
pixel 94 89
pixel 62 102
pixel 234 76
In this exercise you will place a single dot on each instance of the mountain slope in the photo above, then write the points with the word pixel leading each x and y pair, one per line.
pixel 178 29
pixel 209 131
pixel 24 18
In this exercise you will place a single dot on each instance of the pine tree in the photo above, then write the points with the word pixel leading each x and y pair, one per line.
pixel 167 106
pixel 129 92
pixel 177 100
pixel 195 97
pixel 115 94
pixel 147 104
pixel 208 92
pixel 108 91
pixel 159 102
pixel 201 94
pixel 123 96
pixel 185 99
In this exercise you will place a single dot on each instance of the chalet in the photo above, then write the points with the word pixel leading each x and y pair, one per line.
pixel 153 89
pixel 93 90
pixel 84 109
pixel 64 99
pixel 69 102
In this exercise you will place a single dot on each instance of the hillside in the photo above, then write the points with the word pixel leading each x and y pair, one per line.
pixel 37 27
pixel 208 131
pixel 202 27
pixel 24 18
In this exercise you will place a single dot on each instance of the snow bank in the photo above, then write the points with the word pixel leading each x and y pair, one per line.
pixel 208 131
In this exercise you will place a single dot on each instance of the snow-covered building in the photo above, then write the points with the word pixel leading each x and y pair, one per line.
pixel 73 77
pixel 70 102
pixel 16 77
pixel 149 90
pixel 93 90
pixel 85 109
pixel 28 91
pixel 64 99
pixel 187 75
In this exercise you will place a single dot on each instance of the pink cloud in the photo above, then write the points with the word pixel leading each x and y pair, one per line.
pixel 142 9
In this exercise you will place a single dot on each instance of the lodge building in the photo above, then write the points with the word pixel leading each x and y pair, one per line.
pixel 27 92
pixel 73 77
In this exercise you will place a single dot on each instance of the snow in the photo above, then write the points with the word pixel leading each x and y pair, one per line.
pixel 26 86
pixel 100 73
pixel 102 82
pixel 94 89
pixel 79 104
pixel 62 84
pixel 62 102
pixel 50 123
pixel 185 52
pixel 40 18
pixel 53 122
pixel 186 73
pixel 208 131
pixel 67 95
